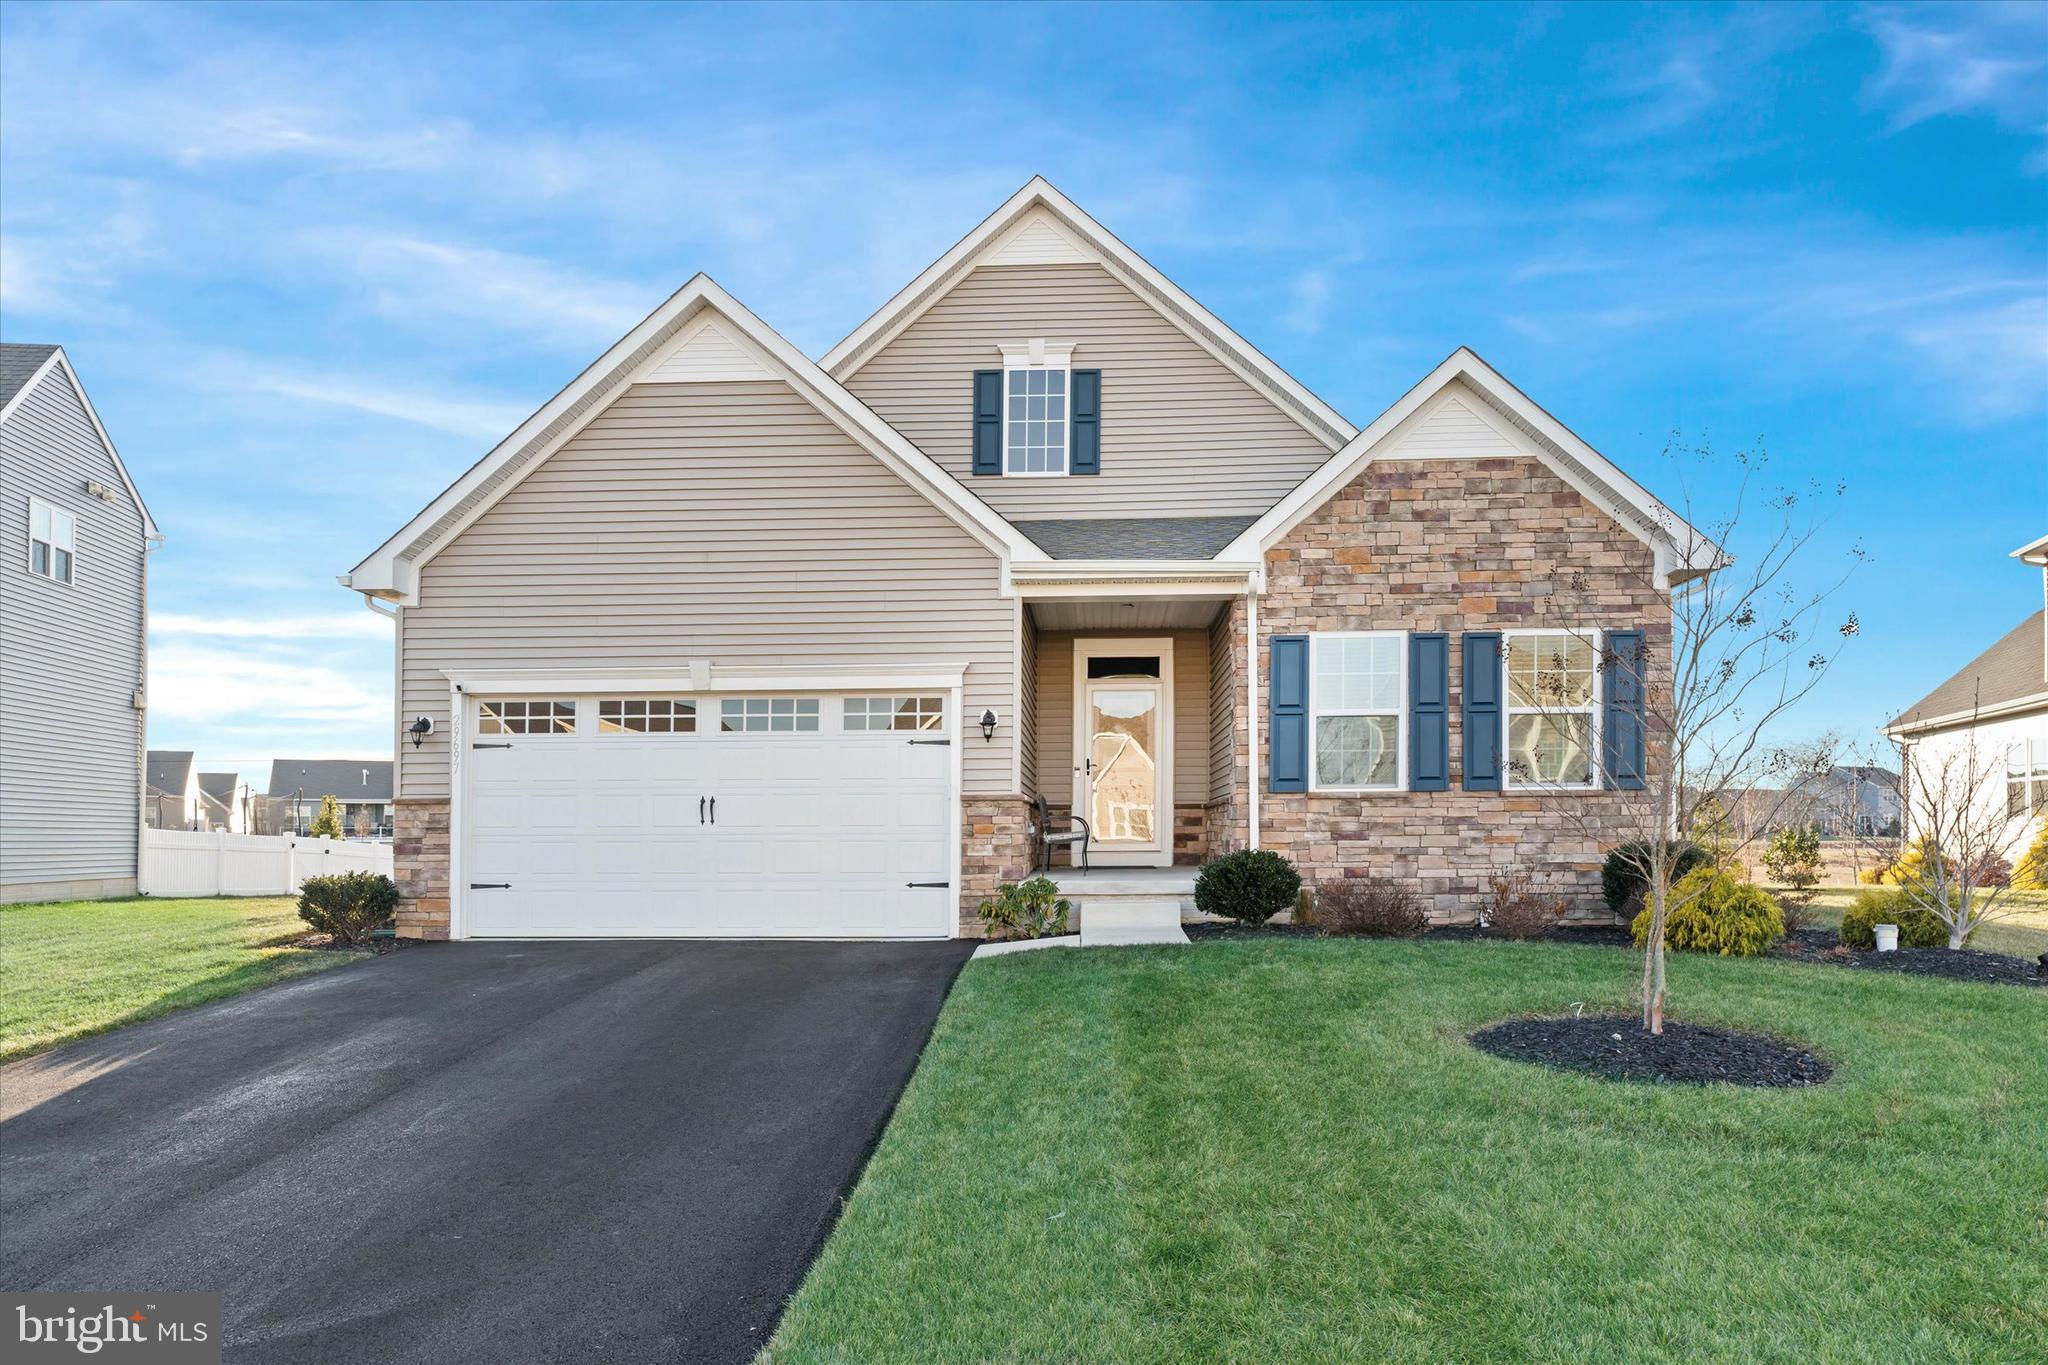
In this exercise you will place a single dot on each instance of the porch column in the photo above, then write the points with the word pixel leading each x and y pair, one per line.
pixel 1251 686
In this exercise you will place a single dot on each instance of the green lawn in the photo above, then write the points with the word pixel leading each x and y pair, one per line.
pixel 75 968
pixel 1284 1150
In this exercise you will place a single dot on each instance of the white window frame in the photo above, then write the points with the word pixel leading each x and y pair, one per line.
pixel 67 542
pixel 1596 711
pixel 1039 354
pixel 1316 711
pixel 2030 773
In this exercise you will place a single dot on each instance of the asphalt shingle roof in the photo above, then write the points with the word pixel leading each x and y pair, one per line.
pixel 2007 671
pixel 1135 537
pixel 18 361
pixel 341 778
pixel 170 770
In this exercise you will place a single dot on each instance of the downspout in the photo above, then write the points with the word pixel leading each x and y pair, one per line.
pixel 1251 683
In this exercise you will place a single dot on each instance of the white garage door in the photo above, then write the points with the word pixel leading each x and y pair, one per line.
pixel 750 817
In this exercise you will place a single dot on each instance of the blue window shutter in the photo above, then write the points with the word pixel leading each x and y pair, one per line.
pixel 1621 729
pixel 1429 712
pixel 988 421
pixel 1085 432
pixel 1481 721
pixel 1287 715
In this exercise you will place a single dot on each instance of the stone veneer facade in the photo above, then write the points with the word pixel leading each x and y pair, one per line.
pixel 419 852
pixel 1455 546
pixel 996 848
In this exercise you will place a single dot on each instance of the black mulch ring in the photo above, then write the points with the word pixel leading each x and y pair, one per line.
pixel 370 947
pixel 1618 1048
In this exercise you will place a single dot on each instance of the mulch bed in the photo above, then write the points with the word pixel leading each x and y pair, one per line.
pixel 1617 1048
pixel 374 947
pixel 1958 964
pixel 1217 930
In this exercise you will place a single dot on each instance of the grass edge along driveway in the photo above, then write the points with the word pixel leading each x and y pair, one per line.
pixel 72 969
pixel 1285 1150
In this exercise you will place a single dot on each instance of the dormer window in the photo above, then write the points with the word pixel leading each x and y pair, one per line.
pixel 1036 394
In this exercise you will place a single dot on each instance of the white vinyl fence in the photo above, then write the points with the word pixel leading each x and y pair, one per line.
pixel 178 862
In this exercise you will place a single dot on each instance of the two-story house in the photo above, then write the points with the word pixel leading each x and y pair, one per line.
pixel 726 641
pixel 361 787
pixel 74 571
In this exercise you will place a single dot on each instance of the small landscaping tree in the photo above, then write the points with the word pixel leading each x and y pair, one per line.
pixel 1962 834
pixel 361 827
pixel 1746 645
pixel 327 824
pixel 1792 859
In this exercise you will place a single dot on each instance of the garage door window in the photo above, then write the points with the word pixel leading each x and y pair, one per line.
pixel 526 717
pixel 895 713
pixel 761 715
pixel 645 716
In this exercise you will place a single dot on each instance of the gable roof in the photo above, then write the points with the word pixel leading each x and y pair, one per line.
pixel 2009 677
pixel 1039 224
pixel 699 332
pixel 1682 550
pixel 1135 537
pixel 345 779
pixel 219 787
pixel 169 771
pixel 22 364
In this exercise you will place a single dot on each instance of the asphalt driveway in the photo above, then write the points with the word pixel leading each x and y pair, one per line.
pixel 502 1152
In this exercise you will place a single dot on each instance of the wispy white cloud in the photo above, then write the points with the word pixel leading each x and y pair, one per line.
pixel 1309 299
pixel 200 683
pixel 1988 59
pixel 341 625
pixel 439 409
pixel 417 280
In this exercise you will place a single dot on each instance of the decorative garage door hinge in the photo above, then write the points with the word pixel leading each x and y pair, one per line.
pixel 938 884
pixel 490 746
pixel 490 886
pixel 930 741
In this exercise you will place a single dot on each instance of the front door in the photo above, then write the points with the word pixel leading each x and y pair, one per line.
pixel 1120 764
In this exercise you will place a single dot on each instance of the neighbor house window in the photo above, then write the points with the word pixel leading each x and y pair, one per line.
pixel 1035 423
pixel 526 717
pixel 52 540
pixel 1355 696
pixel 1553 707
pixel 758 715
pixel 645 716
pixel 895 713
pixel 2026 778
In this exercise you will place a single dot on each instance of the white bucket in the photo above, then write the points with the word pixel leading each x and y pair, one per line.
pixel 1887 938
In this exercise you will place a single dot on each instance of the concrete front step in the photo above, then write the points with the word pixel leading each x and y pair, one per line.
pixel 1117 919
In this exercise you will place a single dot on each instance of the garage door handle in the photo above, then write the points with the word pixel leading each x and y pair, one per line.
pixel 714 810
pixel 490 746
pixel 930 741
pixel 490 886
pixel 937 884
pixel 700 810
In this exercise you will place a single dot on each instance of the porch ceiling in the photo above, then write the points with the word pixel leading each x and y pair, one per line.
pixel 1155 613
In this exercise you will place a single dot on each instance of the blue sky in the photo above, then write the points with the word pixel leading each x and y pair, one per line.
pixel 312 262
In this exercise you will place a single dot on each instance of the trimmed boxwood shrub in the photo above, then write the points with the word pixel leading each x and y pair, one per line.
pixel 348 905
pixel 1622 880
pixel 1714 913
pixel 1252 885
pixel 1919 927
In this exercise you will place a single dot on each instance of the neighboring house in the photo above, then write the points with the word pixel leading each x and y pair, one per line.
pixel 1848 801
pixel 227 801
pixel 74 568
pixel 1991 717
pixel 362 786
pixel 722 641
pixel 171 795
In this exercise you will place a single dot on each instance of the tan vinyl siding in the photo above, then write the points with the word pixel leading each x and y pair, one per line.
pixel 71 656
pixel 1055 655
pixel 731 522
pixel 1181 434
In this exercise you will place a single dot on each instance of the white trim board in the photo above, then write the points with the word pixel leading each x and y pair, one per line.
pixel 1682 550
pixel 392 570
pixel 1038 224
pixel 1085 648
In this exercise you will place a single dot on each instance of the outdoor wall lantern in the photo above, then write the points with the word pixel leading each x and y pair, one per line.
pixel 420 729
pixel 988 726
